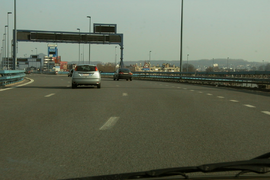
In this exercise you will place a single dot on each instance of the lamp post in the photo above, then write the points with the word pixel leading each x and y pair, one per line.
pixel 115 58
pixel 187 62
pixel 6 45
pixel 228 64
pixel 89 32
pixel 4 49
pixel 181 36
pixel 79 43
pixel 8 37
pixel 2 58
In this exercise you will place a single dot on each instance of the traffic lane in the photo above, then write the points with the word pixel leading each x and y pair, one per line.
pixel 17 99
pixel 246 97
pixel 49 134
pixel 208 110
pixel 74 147
pixel 165 132
pixel 40 85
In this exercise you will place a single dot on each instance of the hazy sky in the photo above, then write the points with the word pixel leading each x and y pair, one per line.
pixel 239 29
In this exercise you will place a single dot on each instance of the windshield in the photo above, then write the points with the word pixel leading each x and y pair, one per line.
pixel 175 83
pixel 85 68
pixel 124 70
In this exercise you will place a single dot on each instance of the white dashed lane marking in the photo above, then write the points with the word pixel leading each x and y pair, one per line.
pixel 220 97
pixel 125 94
pixel 248 105
pixel 232 100
pixel 200 92
pixel 209 94
pixel 49 95
pixel 110 123
pixel 266 112
pixel 191 90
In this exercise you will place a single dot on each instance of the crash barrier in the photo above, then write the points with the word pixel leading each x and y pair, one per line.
pixel 11 76
pixel 247 79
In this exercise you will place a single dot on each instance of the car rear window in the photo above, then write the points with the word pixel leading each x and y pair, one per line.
pixel 85 68
pixel 124 70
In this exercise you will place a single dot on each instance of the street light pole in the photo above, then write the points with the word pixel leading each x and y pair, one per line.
pixel 79 43
pixel 181 36
pixel 6 44
pixel 228 64
pixel 8 37
pixel 115 58
pixel 89 32
pixel 187 62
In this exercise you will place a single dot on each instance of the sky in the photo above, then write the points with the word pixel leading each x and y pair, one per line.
pixel 238 29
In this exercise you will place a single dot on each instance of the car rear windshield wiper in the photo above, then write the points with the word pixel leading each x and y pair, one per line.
pixel 260 165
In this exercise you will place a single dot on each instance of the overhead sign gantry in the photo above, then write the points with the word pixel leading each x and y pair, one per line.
pixel 103 34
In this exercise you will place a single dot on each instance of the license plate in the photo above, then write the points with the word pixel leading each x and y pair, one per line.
pixel 87 74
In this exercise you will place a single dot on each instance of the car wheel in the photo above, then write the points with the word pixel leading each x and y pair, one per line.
pixel 127 79
pixel 98 86
pixel 114 79
pixel 130 79
pixel 74 86
pixel 117 79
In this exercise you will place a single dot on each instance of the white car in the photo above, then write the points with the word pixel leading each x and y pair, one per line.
pixel 86 74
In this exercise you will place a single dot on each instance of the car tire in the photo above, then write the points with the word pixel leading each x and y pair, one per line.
pixel 74 86
pixel 127 79
pixel 117 79
pixel 130 79
pixel 99 86
pixel 114 79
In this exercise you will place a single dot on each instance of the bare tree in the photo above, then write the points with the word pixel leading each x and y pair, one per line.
pixel 188 68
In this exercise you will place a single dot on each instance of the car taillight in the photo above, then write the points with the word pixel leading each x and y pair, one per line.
pixel 96 68
pixel 121 73
pixel 130 73
pixel 75 69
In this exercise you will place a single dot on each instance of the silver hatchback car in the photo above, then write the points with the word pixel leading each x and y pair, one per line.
pixel 86 74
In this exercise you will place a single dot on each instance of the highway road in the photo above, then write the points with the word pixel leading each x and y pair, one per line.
pixel 50 131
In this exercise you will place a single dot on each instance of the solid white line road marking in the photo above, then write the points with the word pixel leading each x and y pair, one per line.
pixel 234 100
pixel 125 94
pixel 200 91
pixel 248 105
pixel 5 89
pixel 209 94
pixel 110 123
pixel 220 97
pixel 49 95
pixel 31 80
pixel 266 112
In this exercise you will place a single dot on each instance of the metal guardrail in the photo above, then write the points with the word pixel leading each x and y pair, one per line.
pixel 11 76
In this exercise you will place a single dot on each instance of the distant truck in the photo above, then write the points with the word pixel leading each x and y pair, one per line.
pixel 56 69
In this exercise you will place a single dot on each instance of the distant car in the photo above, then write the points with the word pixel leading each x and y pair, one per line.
pixel 27 72
pixel 122 73
pixel 70 73
pixel 86 74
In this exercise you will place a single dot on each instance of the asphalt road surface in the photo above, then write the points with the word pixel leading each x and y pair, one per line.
pixel 50 131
